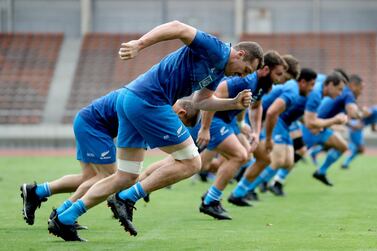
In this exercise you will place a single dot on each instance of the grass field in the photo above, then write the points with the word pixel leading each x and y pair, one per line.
pixel 310 217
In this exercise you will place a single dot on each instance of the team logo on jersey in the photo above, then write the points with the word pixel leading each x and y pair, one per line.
pixel 90 155
pixel 206 81
pixel 223 130
pixel 104 155
pixel 278 138
pixel 166 137
pixel 180 131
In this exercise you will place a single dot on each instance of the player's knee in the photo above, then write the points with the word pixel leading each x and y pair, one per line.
pixel 194 165
pixel 241 157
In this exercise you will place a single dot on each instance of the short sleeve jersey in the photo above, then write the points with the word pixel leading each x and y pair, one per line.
pixel 101 113
pixel 258 87
pixel 190 68
pixel 332 106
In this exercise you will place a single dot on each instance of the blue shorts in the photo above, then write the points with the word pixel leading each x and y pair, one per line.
pixel 219 131
pixel 280 134
pixel 320 138
pixel 356 137
pixel 93 145
pixel 142 124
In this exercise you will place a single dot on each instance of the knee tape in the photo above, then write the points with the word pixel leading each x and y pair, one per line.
pixel 129 166
pixel 188 152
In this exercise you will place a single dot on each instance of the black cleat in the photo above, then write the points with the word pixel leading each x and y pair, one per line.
pixel 263 187
pixel 147 198
pixel 252 196
pixel 30 202
pixel 66 232
pixel 344 167
pixel 123 211
pixel 77 225
pixel 239 201
pixel 215 210
pixel 203 197
pixel 276 188
pixel 322 178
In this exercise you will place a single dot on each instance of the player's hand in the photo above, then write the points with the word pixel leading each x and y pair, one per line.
pixel 341 119
pixel 269 144
pixel 129 50
pixel 254 141
pixel 243 99
pixel 203 138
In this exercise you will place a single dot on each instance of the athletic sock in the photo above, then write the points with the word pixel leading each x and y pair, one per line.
pixel 213 194
pixel 332 156
pixel 43 190
pixel 281 175
pixel 242 188
pixel 69 216
pixel 133 193
pixel 66 204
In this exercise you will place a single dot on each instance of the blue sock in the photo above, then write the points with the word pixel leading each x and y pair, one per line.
pixel 267 174
pixel 43 190
pixel 212 195
pixel 282 174
pixel 66 204
pixel 332 156
pixel 242 188
pixel 249 163
pixel 133 193
pixel 69 216
pixel 315 150
pixel 354 153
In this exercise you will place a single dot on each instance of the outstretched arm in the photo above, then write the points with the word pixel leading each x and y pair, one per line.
pixel 167 31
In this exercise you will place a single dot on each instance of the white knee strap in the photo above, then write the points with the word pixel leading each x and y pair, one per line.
pixel 189 152
pixel 129 166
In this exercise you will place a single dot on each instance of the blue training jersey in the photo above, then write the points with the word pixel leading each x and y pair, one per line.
pixel 372 119
pixel 294 102
pixel 332 106
pixel 258 87
pixel 315 97
pixel 190 68
pixel 101 113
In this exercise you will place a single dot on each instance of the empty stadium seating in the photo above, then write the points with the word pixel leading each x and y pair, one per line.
pixel 354 52
pixel 27 63
pixel 100 70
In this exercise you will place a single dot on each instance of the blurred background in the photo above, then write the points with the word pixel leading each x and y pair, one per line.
pixel 56 56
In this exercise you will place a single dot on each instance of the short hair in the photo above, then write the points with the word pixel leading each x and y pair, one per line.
pixel 344 74
pixel 356 79
pixel 192 113
pixel 253 51
pixel 272 59
pixel 293 65
pixel 307 74
pixel 335 77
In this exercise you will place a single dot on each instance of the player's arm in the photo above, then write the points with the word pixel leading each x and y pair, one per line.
pixel 255 117
pixel 167 31
pixel 272 116
pixel 315 124
pixel 207 116
pixel 205 100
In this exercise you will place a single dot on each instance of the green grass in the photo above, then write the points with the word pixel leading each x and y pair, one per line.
pixel 310 217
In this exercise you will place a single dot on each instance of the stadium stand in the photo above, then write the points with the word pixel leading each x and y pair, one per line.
pixel 27 63
pixel 354 52
pixel 100 70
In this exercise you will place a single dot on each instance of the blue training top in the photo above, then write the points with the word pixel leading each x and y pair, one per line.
pixel 372 119
pixel 101 113
pixel 190 68
pixel 294 102
pixel 258 87
pixel 332 106
pixel 315 97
